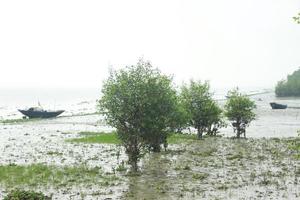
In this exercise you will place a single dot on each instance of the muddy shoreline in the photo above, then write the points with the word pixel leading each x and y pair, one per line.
pixel 215 168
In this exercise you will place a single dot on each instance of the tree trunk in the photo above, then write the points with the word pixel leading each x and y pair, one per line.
pixel 133 154
pixel 133 164
pixel 238 132
pixel 238 129
pixel 155 148
pixel 199 133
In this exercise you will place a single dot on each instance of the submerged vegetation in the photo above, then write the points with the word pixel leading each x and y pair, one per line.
pixel 290 86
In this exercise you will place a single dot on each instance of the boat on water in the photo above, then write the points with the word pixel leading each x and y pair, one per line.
pixel 278 106
pixel 36 112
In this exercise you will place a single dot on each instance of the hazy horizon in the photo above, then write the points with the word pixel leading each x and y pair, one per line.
pixel 72 44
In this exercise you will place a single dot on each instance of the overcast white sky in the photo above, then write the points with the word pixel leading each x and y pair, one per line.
pixel 72 43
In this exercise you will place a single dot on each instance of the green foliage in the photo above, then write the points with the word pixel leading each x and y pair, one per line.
pixel 140 103
pixel 204 114
pixel 289 87
pixel 239 110
pixel 297 18
pixel 180 117
pixel 26 195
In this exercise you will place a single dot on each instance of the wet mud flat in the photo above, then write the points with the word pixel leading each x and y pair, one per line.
pixel 221 168
pixel 37 156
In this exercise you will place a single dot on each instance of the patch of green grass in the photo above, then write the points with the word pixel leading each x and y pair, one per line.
pixel 42 175
pixel 235 156
pixel 90 133
pixel 17 121
pixel 200 176
pixel 54 153
pixel 121 167
pixel 97 137
pixel 26 195
pixel 222 187
pixel 178 138
pixel 205 152
pixel 112 138
pixel 294 144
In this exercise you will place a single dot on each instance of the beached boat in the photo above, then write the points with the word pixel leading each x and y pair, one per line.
pixel 278 106
pixel 36 112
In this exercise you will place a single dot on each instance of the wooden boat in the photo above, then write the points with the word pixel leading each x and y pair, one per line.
pixel 278 106
pixel 36 112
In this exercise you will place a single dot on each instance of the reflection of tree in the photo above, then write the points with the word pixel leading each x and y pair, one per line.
pixel 153 183
pixel 297 18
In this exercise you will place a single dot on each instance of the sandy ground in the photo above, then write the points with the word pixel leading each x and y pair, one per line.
pixel 216 168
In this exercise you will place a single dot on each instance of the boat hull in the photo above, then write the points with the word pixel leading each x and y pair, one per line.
pixel 41 114
pixel 278 106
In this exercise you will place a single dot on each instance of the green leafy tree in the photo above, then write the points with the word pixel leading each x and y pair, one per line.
pixel 204 113
pixel 140 103
pixel 215 119
pixel 180 117
pixel 239 110
pixel 290 86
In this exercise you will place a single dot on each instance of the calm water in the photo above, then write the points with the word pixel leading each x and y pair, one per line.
pixel 74 101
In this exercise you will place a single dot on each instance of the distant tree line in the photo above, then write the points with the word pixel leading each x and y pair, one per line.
pixel 145 108
pixel 290 86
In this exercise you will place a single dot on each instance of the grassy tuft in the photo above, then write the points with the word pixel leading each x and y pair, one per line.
pixel 294 145
pixel 178 138
pixel 200 176
pixel 97 137
pixel 18 121
pixel 26 195
pixel 112 138
pixel 42 175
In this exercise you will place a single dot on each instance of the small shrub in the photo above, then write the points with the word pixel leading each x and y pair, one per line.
pixel 26 195
pixel 239 110
pixel 200 176
pixel 204 113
